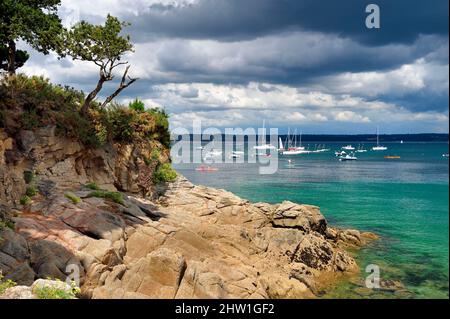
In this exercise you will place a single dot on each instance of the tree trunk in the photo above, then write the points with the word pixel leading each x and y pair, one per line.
pixel 123 85
pixel 93 94
pixel 11 58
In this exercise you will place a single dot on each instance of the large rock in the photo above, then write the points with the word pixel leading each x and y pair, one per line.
pixel 304 217
pixel 18 292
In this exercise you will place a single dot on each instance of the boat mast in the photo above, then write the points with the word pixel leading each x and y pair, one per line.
pixel 378 132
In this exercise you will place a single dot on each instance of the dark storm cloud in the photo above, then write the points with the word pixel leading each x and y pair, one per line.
pixel 292 59
pixel 401 20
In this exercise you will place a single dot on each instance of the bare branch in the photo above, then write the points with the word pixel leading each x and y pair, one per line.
pixel 123 85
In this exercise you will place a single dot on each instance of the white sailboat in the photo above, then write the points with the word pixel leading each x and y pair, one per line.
pixel 264 146
pixel 280 145
pixel 361 149
pixel 293 149
pixel 379 147
pixel 348 148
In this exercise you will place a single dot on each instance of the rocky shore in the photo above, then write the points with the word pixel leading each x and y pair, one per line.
pixel 182 241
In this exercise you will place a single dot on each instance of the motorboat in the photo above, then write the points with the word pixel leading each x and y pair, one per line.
pixel 348 157
pixel 204 168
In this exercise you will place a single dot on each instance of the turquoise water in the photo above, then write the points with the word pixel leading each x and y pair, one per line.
pixel 405 201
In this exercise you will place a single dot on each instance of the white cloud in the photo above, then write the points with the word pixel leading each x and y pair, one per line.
pixel 349 116
pixel 408 78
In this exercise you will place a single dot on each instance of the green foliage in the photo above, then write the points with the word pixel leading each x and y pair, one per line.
pixel 31 191
pixel 128 125
pixel 97 43
pixel 33 102
pixel 154 157
pixel 137 105
pixel 21 58
pixel 35 22
pixel 28 176
pixel 74 198
pixel 156 153
pixel 72 124
pixel 114 196
pixel 164 173
pixel 5 284
pixel 29 120
pixel 93 186
pixel 103 45
pixel 48 292
pixel 161 125
pixel 7 224
pixel 25 200
pixel 38 94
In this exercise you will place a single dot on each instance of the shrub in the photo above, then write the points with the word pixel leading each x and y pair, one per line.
pixel 25 200
pixel 37 93
pixel 33 102
pixel 114 196
pixel 164 173
pixel 31 191
pixel 137 105
pixel 28 176
pixel 89 131
pixel 6 224
pixel 93 186
pixel 29 120
pixel 5 284
pixel 74 198
pixel 128 125
pixel 162 125
pixel 156 153
pixel 53 293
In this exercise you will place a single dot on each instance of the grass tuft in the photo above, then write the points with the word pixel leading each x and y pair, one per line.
pixel 74 198
pixel 114 196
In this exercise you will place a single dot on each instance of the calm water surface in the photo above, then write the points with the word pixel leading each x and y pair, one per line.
pixel 405 200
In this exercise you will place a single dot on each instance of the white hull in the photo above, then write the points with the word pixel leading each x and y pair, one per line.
pixel 379 148
pixel 264 147
pixel 295 152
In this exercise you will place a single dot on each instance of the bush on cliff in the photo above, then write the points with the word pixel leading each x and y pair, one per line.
pixel 5 284
pixel 33 102
pixel 164 173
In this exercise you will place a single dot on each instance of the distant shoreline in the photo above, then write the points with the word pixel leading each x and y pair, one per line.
pixel 364 138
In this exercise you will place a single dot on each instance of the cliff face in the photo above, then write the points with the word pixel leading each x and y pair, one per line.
pixel 65 162
pixel 186 242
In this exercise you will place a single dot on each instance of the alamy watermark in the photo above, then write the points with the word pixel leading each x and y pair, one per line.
pixel 373 19
pixel 373 279
pixel 230 145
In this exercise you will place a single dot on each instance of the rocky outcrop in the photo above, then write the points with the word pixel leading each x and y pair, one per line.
pixel 185 241
pixel 63 162
pixel 191 242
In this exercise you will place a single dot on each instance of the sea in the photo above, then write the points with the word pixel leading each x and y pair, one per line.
pixel 404 200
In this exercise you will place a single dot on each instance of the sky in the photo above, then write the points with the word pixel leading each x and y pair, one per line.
pixel 308 65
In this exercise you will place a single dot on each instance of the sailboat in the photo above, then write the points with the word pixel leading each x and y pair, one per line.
pixel 348 148
pixel 293 149
pixel 379 147
pixel 264 146
pixel 361 149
